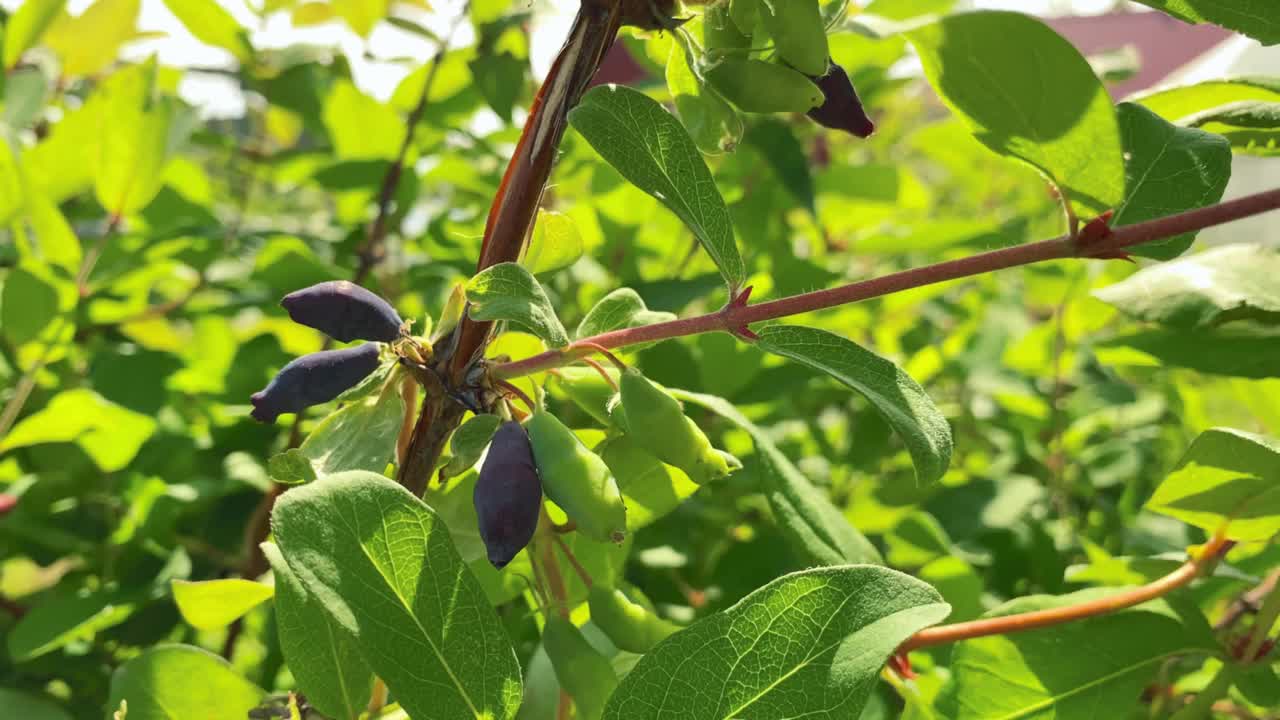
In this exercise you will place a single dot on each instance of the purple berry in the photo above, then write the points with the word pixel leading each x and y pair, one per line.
pixel 344 311
pixel 842 109
pixel 314 379
pixel 508 494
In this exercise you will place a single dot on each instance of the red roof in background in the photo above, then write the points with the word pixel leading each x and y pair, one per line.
pixel 1164 45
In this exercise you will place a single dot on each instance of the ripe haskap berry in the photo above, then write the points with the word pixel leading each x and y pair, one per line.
pixel 842 109
pixel 508 494
pixel 344 311
pixel 314 379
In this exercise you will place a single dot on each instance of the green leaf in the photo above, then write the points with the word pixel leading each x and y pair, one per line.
pixel 361 127
pixel 382 564
pixel 1233 282
pixel 29 302
pixel 986 65
pixel 217 603
pixel 211 24
pixel 361 15
pixel 468 444
pixel 30 707
pixel 27 25
pixel 508 291
pixel 323 658
pixel 902 402
pixel 1169 169
pixel 1071 671
pixel 1251 126
pixel 134 146
pixel 816 529
pixel 650 148
pixel 54 623
pixel 500 77
pixel 781 149
pixel 1239 349
pixel 810 644
pixel 622 308
pixel 57 241
pixel 88 43
pixel 1225 476
pixel 712 123
pixel 361 436
pixel 555 245
pixel 1255 18
pixel 1176 104
pixel 12 190
pixel 291 467
pixel 108 433
pixel 181 682
pixel 55 166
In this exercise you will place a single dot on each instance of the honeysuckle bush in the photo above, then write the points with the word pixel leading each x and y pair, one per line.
pixel 946 454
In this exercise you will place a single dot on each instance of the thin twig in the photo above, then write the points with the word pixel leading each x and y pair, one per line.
pixel 622 367
pixel 583 575
pixel 514 391
pixel 1190 570
pixel 733 317
pixel 603 373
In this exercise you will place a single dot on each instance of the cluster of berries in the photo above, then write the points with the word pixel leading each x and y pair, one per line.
pixel 344 311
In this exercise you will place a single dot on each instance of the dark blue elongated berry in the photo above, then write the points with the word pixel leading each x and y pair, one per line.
pixel 344 311
pixel 842 109
pixel 314 379
pixel 508 494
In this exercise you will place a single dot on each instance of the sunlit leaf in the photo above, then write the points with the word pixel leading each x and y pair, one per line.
pixel 1226 476
pixel 809 643
pixel 555 245
pixel 212 24
pixel 109 433
pixel 217 603
pixel 1255 18
pixel 323 658
pixel 509 292
pixel 1168 169
pixel 181 682
pixel 89 42
pixel 651 149
pixel 1072 669
pixel 902 402
pixel 1233 282
pixel 383 565
pixel 622 308
pixel 26 25
pixel 985 64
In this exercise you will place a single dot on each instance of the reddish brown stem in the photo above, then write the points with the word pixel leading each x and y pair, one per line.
pixel 1188 571
pixel 603 373
pixel 518 393
pixel 732 317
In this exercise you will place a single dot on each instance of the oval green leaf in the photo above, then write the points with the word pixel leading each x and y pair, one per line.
pixel 986 65
pixel 323 658
pixel 901 400
pixel 650 148
pixel 382 564
pixel 811 643
pixel 217 603
pixel 510 292
pixel 181 682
